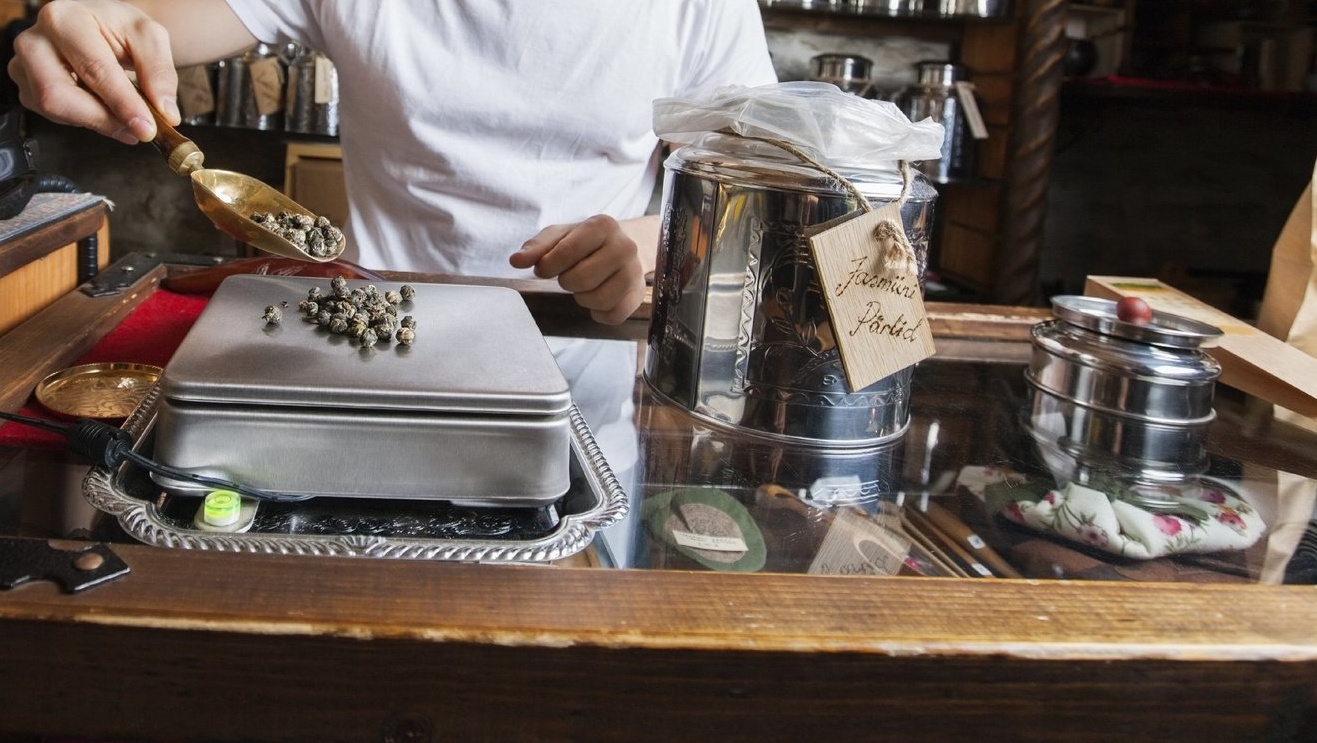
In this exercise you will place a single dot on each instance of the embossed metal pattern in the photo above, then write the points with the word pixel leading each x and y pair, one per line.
pixel 749 301
pixel 595 501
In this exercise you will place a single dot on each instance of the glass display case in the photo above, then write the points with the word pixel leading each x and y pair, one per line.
pixel 755 590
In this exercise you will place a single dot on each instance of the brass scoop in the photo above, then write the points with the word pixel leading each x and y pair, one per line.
pixel 229 199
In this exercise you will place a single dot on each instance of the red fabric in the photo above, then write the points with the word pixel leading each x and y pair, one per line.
pixel 148 335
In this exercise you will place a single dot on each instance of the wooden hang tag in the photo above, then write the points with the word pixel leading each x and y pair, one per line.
pixel 325 80
pixel 195 98
pixel 970 104
pixel 875 303
pixel 267 76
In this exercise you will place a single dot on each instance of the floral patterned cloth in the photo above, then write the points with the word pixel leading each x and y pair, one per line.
pixel 1137 521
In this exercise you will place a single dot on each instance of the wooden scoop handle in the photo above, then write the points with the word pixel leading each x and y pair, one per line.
pixel 183 156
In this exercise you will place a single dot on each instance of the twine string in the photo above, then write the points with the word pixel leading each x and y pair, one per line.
pixel 907 175
pixel 900 254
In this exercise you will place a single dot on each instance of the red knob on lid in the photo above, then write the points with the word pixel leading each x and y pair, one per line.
pixel 1133 310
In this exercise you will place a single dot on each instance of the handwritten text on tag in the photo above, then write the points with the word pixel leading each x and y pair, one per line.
pixel 870 283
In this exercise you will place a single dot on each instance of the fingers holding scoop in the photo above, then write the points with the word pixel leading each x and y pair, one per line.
pixel 69 67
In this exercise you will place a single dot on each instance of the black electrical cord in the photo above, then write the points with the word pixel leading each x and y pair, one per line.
pixel 108 446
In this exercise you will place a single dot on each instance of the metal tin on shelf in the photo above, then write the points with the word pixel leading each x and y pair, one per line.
pixel 237 103
pixel 936 8
pixel 966 8
pixel 933 96
pixel 850 72
pixel 312 98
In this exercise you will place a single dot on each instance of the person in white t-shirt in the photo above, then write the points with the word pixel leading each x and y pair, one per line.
pixel 479 137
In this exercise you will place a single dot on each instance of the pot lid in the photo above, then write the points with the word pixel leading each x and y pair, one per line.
pixel 1164 329
pixel 939 74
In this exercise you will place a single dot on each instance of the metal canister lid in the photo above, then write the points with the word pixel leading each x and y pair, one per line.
pixel 1164 329
pixel 939 74
pixel 829 67
pixel 1154 372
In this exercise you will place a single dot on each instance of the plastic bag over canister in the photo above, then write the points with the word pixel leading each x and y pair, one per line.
pixel 740 334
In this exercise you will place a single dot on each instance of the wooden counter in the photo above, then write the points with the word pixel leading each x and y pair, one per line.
pixel 211 646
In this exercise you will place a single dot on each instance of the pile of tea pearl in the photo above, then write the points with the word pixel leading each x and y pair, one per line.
pixel 315 235
pixel 364 314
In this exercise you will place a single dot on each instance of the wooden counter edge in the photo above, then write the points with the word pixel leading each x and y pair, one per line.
pixel 539 606
pixel 78 321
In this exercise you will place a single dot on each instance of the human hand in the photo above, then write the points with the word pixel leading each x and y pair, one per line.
pixel 594 260
pixel 69 68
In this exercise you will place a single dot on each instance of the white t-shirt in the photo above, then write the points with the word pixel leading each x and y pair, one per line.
pixel 469 125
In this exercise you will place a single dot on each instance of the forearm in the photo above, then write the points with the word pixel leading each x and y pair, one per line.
pixel 199 30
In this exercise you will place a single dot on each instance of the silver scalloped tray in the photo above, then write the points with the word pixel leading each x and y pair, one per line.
pixel 365 527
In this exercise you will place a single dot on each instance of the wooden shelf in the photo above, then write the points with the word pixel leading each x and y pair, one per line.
pixel 875 11
pixel 993 241
pixel 274 134
pixel 1155 92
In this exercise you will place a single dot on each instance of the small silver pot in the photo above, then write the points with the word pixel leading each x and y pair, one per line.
pixel 1108 392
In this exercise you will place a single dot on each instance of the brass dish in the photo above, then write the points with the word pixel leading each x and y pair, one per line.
pixel 105 391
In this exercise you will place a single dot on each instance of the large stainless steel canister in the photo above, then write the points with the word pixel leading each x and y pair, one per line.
pixel 312 97
pixel 1107 392
pixel 740 334
pixel 933 96
pixel 677 448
